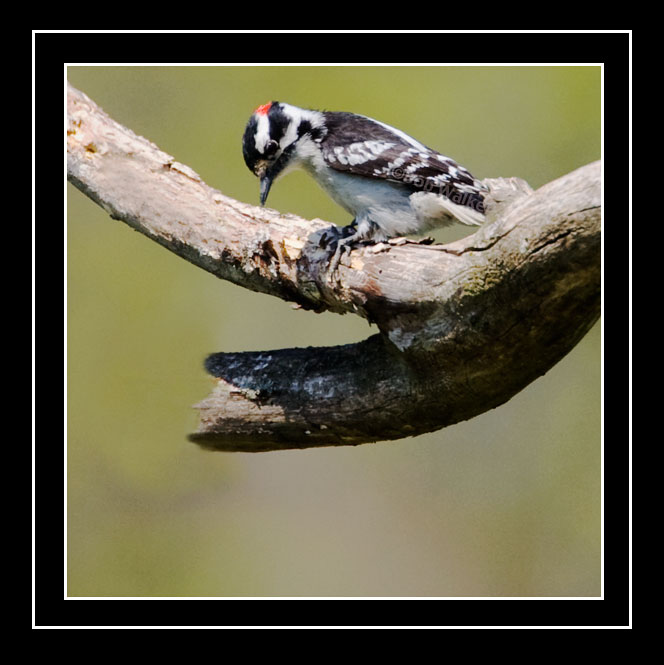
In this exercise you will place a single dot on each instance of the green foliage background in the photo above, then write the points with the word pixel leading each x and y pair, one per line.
pixel 507 504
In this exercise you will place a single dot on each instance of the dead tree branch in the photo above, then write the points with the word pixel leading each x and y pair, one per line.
pixel 463 327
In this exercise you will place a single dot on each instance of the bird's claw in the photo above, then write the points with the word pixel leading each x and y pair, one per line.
pixel 343 245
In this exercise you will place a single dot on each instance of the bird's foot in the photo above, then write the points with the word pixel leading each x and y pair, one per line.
pixel 343 246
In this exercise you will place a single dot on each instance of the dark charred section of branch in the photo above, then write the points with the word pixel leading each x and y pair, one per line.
pixel 341 395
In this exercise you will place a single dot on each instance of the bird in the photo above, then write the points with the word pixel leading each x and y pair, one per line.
pixel 392 184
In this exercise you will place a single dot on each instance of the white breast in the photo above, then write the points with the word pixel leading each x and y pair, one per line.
pixel 394 208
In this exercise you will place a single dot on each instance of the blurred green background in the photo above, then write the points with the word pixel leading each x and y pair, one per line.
pixel 507 504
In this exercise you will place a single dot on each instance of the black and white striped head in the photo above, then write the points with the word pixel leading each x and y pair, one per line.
pixel 272 138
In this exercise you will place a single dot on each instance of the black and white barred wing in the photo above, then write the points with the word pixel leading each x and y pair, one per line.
pixel 392 155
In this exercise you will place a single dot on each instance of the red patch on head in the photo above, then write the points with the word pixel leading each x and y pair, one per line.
pixel 262 110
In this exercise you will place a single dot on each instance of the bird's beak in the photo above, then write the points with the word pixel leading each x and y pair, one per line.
pixel 266 183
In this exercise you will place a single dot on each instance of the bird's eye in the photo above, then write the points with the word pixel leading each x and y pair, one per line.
pixel 270 148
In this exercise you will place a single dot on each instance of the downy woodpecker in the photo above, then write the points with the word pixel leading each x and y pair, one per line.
pixel 392 184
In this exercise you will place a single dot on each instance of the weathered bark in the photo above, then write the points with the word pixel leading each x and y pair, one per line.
pixel 463 327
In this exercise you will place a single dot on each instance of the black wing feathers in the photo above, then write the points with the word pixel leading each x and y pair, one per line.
pixel 381 153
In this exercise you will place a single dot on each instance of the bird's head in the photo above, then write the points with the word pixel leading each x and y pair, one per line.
pixel 273 140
